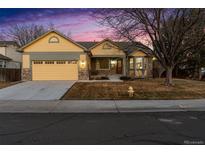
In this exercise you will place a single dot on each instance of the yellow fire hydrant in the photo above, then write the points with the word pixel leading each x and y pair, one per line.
pixel 130 91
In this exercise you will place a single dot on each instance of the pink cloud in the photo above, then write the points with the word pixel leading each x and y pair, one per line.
pixel 92 35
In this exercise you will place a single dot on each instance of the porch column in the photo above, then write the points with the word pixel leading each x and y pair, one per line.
pixel 124 65
pixel 134 63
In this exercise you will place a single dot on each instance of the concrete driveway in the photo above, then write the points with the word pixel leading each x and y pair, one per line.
pixel 36 90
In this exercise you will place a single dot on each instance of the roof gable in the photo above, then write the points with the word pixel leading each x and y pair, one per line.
pixel 103 41
pixel 52 40
pixel 106 48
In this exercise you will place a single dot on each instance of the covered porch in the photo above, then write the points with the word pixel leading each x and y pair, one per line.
pixel 107 66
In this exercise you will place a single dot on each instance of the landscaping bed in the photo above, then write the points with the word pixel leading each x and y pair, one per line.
pixel 144 89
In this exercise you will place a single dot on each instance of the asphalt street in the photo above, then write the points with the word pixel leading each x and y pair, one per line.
pixel 103 129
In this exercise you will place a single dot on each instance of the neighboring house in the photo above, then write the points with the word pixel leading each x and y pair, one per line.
pixel 10 57
pixel 53 56
pixel 3 61
pixel 10 61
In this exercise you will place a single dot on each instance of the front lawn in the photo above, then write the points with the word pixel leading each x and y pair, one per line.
pixel 7 84
pixel 144 89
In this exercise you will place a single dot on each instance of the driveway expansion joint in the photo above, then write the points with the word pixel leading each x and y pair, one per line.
pixel 117 109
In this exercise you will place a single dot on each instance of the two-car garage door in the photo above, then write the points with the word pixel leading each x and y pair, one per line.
pixel 54 70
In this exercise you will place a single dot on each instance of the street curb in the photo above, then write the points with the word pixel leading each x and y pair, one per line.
pixel 79 106
pixel 150 110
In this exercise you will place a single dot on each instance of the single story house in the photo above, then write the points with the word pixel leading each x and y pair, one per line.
pixel 54 56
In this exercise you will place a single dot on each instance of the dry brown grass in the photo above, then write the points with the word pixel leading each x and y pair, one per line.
pixel 144 89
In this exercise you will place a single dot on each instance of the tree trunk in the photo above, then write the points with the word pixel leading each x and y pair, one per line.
pixel 199 67
pixel 200 75
pixel 168 80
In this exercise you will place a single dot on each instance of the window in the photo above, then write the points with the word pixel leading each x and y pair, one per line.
pixel 107 46
pixel 104 63
pixel 113 63
pixel 131 63
pixel 2 64
pixel 60 62
pixel 53 39
pixel 38 62
pixel 49 62
pixel 139 63
pixel 72 62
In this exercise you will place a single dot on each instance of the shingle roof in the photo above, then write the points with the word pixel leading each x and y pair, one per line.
pixel 126 46
pixel 2 57
pixel 87 45
pixel 5 43
pixel 130 47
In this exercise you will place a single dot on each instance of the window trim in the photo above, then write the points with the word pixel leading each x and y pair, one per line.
pixel 143 64
pixel 53 37
pixel 107 46
pixel 38 62
pixel 133 64
pixel 49 62
pixel 3 65
pixel 61 62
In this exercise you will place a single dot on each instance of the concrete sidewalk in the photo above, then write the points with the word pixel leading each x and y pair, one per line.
pixel 110 106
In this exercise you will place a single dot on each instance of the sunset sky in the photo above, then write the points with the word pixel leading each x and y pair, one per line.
pixel 78 22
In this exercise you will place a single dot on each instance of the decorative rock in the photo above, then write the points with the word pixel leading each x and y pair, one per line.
pixel 83 75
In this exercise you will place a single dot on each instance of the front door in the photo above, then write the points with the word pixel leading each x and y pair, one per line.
pixel 119 66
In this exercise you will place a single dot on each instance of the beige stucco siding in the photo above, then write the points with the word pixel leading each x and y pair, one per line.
pixel 88 62
pixel 26 61
pixel 11 52
pixel 43 45
pixel 138 54
pixel 84 59
pixel 99 50
pixel 3 50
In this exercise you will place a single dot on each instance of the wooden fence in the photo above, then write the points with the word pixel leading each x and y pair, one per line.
pixel 8 74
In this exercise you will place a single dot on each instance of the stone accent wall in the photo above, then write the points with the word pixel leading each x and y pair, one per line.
pixel 83 74
pixel 26 74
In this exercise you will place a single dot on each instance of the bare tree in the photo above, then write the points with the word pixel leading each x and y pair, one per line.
pixel 194 60
pixel 166 29
pixel 24 33
pixel 1 36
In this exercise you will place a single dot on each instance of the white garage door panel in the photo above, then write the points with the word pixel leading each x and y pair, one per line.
pixel 54 71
